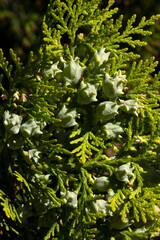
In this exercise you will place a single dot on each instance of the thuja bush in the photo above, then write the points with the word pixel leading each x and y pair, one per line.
pixel 79 135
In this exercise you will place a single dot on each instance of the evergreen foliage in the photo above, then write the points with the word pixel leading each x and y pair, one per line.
pixel 79 131
pixel 143 8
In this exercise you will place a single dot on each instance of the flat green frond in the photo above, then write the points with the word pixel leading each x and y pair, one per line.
pixel 130 235
pixel 4 65
pixel 22 180
pixel 8 208
pixel 52 39
pixel 124 213
pixel 76 131
pixel 116 200
pixel 51 233
pixel 85 149
pixel 16 60
pixel 53 196
pixel 126 36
